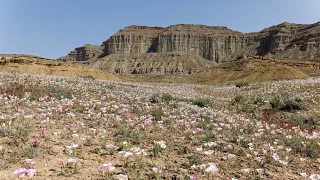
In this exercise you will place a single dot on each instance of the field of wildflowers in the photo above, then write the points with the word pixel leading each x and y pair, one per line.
pixel 55 127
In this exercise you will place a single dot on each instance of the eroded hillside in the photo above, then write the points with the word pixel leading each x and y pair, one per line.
pixel 38 65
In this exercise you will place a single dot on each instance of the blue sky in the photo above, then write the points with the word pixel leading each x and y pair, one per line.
pixel 52 28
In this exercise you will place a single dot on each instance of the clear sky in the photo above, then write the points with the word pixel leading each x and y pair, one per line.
pixel 52 28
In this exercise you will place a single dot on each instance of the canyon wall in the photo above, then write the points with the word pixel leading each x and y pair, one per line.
pixel 83 53
pixel 214 43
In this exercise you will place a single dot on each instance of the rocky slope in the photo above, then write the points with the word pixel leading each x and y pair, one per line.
pixel 152 63
pixel 216 44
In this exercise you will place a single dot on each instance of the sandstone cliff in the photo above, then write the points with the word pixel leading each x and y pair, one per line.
pixel 216 44
pixel 83 53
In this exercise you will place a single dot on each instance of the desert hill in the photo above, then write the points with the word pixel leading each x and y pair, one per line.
pixel 38 65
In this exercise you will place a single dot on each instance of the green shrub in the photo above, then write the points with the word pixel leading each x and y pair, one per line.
pixel 208 136
pixel 259 101
pixel 60 93
pixel 89 77
pixel 121 130
pixel 238 99
pixel 156 150
pixel 157 113
pixel 202 102
pixel 95 150
pixel 311 149
pixel 135 137
pixel 241 84
pixel 53 89
pixel 165 97
pixel 155 98
pixel 305 121
pixel 194 160
pixel 286 103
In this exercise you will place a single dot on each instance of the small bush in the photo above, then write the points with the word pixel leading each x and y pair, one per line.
pixel 286 103
pixel 194 160
pixel 202 102
pixel 208 136
pixel 305 121
pixel 184 150
pixel 238 99
pixel 155 98
pixel 241 84
pixel 32 153
pixel 165 97
pixel 121 130
pixel 137 110
pixel 95 150
pixel 157 113
pixel 259 101
pixel 60 93
pixel 135 138
pixel 156 150
pixel 89 77
pixel 311 149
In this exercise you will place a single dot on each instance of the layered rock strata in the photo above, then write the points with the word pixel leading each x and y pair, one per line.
pixel 213 43
pixel 83 53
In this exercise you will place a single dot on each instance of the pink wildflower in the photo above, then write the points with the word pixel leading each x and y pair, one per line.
pixel 30 162
pixel 62 162
pixel 212 169
pixel 20 172
pixel 71 160
pixel 109 168
pixel 228 147
pixel 36 143
pixel 42 132
pixel 193 177
pixel 31 173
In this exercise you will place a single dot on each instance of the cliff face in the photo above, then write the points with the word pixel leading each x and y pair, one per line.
pixel 212 43
pixel 132 39
pixel 217 44
pixel 295 41
pixel 83 53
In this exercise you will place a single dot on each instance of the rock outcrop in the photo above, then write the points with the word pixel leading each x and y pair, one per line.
pixel 292 41
pixel 213 43
pixel 83 53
